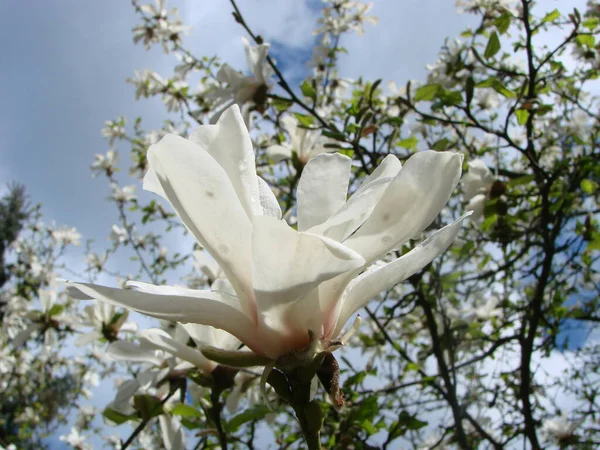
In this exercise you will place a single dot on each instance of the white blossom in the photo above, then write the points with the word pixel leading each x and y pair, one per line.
pixel 123 194
pixel 559 428
pixel 304 142
pixel 477 184
pixel 105 163
pixel 242 89
pixel 66 236
pixel 289 284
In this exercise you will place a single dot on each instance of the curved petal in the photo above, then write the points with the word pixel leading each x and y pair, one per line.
pixel 88 338
pixel 287 264
pixel 228 142
pixel 410 203
pixel 477 205
pixel 127 351
pixel 322 189
pixel 205 200
pixel 360 205
pixel 161 340
pixel 371 283
pixel 163 302
pixel 205 335
pixel 257 59
pixel 277 153
pixel 172 433
pixel 268 201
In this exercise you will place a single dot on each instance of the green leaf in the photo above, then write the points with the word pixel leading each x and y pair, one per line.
pixel 521 180
pixel 255 413
pixel 281 104
pixel 551 16
pixel 522 116
pixel 442 144
pixel 590 23
pixel 185 411
pixel 586 39
pixel 469 89
pixel 147 406
pixel 496 85
pixel 117 417
pixel 493 46
pixel 427 92
pixel 409 143
pixel 304 119
pixel 308 90
pixel 368 426
pixel 593 245
pixel 588 186
pixel 503 23
pixel 55 310
pixel 410 422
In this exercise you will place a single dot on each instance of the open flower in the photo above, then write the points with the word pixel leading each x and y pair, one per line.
pixel 306 143
pixel 477 185
pixel 559 428
pixel 293 288
pixel 243 89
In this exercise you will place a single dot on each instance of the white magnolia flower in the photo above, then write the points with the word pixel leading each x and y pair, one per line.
pixel 76 440
pixel 114 129
pixel 104 163
pixel 289 284
pixel 477 184
pixel 241 89
pixel 559 427
pixel 123 194
pixel 66 236
pixel 162 353
pixel 306 143
pixel 105 320
pixel 118 235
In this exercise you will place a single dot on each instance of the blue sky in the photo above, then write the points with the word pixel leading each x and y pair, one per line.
pixel 65 62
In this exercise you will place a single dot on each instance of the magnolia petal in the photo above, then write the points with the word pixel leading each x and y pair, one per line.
pixel 161 340
pixel 172 433
pixel 88 338
pixel 127 351
pixel 205 335
pixel 371 283
pixel 288 264
pixel 206 202
pixel 228 142
pixel 322 189
pixel 268 201
pixel 477 206
pixel 410 203
pixel 207 308
pixel 206 264
pixel 360 205
pixel 277 153
pixel 124 392
pixel 256 57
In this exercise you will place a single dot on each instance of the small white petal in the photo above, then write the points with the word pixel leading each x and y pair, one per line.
pixel 278 153
pixel 161 340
